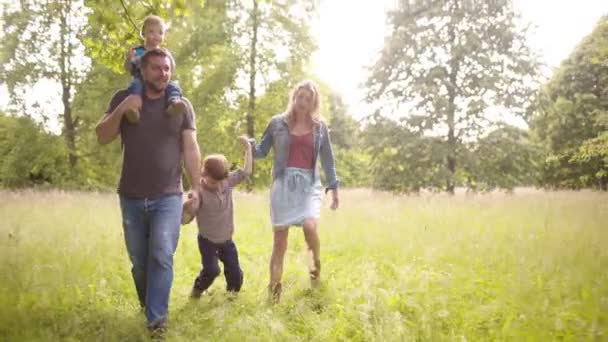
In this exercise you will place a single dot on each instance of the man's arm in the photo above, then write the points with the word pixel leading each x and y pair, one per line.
pixel 192 159
pixel 191 153
pixel 108 127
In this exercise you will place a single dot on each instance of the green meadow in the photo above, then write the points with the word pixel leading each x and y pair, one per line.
pixel 532 266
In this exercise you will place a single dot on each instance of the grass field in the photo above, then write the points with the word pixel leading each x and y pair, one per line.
pixel 530 266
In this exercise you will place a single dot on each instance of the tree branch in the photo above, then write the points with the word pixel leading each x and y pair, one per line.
pixel 124 7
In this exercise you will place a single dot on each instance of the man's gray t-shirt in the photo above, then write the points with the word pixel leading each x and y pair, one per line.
pixel 215 216
pixel 152 160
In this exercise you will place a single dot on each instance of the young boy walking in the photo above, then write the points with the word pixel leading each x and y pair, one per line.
pixel 215 220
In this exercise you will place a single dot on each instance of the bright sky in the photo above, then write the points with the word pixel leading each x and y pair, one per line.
pixel 350 33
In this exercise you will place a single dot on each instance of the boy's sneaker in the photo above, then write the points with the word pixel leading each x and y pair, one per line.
pixel 231 296
pixel 132 116
pixel 176 107
pixel 196 292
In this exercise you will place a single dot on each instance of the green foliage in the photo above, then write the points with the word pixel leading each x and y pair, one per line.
pixel 403 161
pixel 505 158
pixel 45 45
pixel 353 167
pixel 206 40
pixel 572 116
pixel 345 130
pixel 33 32
pixel 30 156
pixel 115 26
pixel 99 166
pixel 352 160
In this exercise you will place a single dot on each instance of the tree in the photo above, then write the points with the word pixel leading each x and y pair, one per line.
pixel 402 160
pixel 255 25
pixel 30 156
pixel 279 46
pixel 275 36
pixel 505 158
pixel 98 168
pixel 449 64
pixel 345 130
pixel 201 38
pixel 42 43
pixel 572 116
pixel 116 25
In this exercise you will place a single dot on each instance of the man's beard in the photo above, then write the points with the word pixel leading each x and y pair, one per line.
pixel 152 86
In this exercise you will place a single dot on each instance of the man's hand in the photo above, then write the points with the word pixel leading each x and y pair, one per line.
pixel 133 102
pixel 190 207
pixel 193 198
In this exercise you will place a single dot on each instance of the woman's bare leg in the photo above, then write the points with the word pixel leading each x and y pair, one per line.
pixel 314 250
pixel 279 248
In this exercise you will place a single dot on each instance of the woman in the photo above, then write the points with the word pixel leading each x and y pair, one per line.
pixel 299 137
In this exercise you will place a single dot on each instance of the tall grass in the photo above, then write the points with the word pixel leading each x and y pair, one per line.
pixel 529 266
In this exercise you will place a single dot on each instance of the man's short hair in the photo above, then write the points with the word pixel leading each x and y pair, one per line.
pixel 158 52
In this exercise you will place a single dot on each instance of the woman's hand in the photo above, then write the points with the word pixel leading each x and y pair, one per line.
pixel 248 167
pixel 335 202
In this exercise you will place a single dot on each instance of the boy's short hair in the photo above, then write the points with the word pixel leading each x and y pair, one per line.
pixel 152 20
pixel 216 166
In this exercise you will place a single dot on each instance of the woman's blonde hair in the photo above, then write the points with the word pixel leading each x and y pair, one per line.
pixel 316 98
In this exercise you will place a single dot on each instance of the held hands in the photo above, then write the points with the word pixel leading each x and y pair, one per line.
pixel 244 140
pixel 190 207
pixel 335 203
pixel 248 167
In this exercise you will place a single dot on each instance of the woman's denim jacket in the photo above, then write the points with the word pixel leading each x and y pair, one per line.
pixel 277 137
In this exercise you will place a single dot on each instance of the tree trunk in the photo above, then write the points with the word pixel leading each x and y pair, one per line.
pixel 252 75
pixel 252 67
pixel 69 130
pixel 451 110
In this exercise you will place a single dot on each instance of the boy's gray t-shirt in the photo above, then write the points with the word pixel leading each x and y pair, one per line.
pixel 152 149
pixel 215 216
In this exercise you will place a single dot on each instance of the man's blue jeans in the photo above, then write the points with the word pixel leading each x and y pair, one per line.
pixel 151 228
